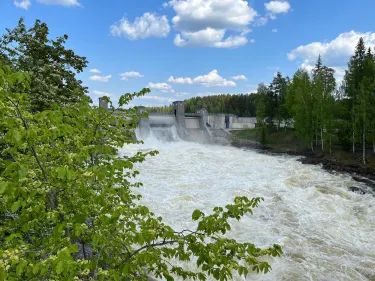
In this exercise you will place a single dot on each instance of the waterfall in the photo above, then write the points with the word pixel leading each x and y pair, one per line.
pixel 160 134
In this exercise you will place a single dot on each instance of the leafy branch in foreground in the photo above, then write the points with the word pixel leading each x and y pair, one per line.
pixel 68 210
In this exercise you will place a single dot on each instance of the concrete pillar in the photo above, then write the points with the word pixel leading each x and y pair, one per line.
pixel 103 103
pixel 178 109
pixel 141 109
pixel 203 121
pixel 144 123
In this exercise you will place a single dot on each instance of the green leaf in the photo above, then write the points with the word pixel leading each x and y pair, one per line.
pixel 201 276
pixel 3 186
pixel 60 267
pixel 15 206
pixel 16 136
pixel 196 215
pixel 20 267
pixel 36 269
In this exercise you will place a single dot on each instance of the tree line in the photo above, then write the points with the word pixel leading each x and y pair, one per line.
pixel 159 109
pixel 243 105
pixel 322 111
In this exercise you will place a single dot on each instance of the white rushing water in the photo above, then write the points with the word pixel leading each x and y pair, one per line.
pixel 327 232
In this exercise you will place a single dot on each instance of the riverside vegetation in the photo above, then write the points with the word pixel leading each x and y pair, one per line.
pixel 68 210
pixel 312 114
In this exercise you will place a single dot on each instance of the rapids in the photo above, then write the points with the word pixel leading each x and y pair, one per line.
pixel 326 231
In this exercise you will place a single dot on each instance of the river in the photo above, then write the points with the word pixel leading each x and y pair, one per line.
pixel 326 231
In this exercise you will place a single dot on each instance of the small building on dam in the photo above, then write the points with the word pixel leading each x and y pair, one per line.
pixel 201 126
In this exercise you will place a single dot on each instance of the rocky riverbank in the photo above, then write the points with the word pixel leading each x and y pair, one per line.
pixel 336 162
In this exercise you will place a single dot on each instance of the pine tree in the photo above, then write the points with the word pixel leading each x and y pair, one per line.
pixel 353 78
pixel 278 91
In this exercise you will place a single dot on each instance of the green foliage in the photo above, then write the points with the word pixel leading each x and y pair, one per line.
pixel 300 104
pixel 68 210
pixel 241 105
pixel 159 109
pixel 323 87
pixel 278 91
pixel 360 92
pixel 262 104
pixel 51 66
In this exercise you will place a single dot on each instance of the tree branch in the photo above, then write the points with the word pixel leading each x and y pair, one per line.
pixel 31 147
pixel 145 247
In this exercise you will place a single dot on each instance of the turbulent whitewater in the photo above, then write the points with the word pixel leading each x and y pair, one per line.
pixel 327 232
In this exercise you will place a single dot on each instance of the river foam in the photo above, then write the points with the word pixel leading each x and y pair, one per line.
pixel 327 232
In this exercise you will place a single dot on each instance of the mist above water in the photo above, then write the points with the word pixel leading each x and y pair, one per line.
pixel 327 232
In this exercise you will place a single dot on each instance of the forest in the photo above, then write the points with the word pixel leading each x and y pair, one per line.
pixel 243 105
pixel 320 110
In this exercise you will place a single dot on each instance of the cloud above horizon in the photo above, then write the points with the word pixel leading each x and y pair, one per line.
pixel 206 23
pixel 239 77
pixel 99 78
pixel 335 54
pixel 131 74
pixel 67 3
pixel 164 87
pixel 273 9
pixel 23 4
pixel 212 79
pixel 148 25
pixel 94 70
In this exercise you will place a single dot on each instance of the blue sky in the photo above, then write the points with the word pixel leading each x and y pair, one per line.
pixel 185 48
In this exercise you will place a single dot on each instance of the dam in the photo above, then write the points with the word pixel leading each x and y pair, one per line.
pixel 201 126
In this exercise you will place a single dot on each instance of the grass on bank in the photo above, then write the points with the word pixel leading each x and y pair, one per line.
pixel 286 141
pixel 281 140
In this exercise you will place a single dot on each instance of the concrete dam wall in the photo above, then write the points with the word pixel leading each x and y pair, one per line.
pixel 201 126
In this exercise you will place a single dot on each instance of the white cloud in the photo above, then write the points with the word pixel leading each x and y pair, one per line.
pixel 94 70
pixel 239 77
pixel 209 37
pixel 60 2
pixel 23 4
pixel 164 87
pixel 275 30
pixel 99 78
pixel 335 54
pixel 148 25
pixel 261 21
pixel 253 91
pixel 102 94
pixel 212 79
pixel 273 9
pixel 131 74
pixel 204 23
pixel 277 7
pixel 252 41
pixel 180 80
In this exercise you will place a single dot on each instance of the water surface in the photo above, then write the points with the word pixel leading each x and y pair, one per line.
pixel 327 232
